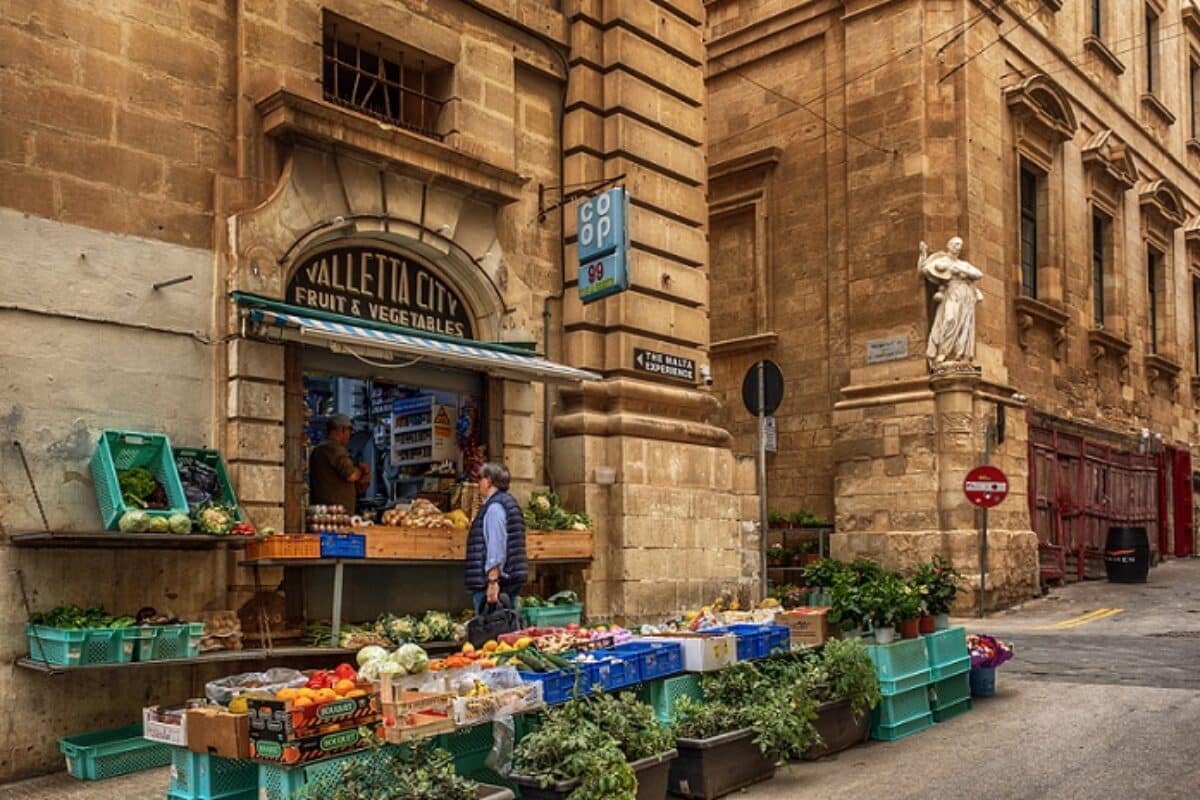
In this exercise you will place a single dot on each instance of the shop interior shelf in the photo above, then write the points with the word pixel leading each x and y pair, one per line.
pixel 115 540
pixel 205 658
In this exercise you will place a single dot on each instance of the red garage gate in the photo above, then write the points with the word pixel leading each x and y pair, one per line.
pixel 1082 487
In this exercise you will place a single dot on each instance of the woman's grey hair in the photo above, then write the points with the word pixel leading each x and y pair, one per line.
pixel 498 474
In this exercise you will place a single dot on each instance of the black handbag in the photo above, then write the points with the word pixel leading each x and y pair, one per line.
pixel 493 620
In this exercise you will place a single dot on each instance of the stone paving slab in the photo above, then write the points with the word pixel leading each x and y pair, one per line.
pixel 147 785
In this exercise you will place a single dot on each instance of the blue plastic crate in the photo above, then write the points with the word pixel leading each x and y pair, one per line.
pixel 560 686
pixel 779 637
pixel 753 641
pixel 200 776
pixel 343 545
pixel 613 673
pixel 106 754
pixel 654 659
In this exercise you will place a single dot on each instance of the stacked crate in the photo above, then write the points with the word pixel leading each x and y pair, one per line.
pixel 949 673
pixel 904 674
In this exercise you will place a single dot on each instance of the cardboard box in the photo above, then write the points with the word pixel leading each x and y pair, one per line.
pixel 166 724
pixel 283 721
pixel 808 625
pixel 218 732
pixel 702 652
pixel 315 748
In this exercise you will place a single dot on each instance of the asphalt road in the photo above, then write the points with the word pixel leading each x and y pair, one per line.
pixel 1101 702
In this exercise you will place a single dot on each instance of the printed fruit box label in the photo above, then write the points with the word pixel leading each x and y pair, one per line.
pixel 314 748
pixel 283 720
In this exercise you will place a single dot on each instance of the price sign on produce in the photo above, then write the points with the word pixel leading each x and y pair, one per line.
pixel 986 486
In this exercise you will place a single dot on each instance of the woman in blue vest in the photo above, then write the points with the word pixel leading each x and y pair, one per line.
pixel 496 560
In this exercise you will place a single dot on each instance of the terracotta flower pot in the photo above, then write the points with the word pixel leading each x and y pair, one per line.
pixel 910 629
pixel 811 558
pixel 926 624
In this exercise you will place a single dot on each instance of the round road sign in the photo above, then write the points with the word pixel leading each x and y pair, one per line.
pixel 772 385
pixel 986 486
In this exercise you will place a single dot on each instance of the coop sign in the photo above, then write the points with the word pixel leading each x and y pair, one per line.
pixel 380 285
pixel 603 245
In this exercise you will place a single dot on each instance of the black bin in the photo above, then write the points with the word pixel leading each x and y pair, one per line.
pixel 1127 554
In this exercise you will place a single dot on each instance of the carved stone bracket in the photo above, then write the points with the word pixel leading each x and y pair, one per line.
pixel 1032 312
pixel 1102 343
pixel 1161 368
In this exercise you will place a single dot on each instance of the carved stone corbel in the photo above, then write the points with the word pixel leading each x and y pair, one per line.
pixel 1031 312
pixel 1103 343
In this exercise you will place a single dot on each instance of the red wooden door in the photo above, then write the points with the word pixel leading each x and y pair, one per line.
pixel 1185 544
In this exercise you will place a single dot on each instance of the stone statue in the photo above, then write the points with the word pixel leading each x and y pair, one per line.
pixel 952 335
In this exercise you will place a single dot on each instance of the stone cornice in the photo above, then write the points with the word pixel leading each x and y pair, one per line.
pixel 1103 54
pixel 742 344
pixel 767 157
pixel 286 115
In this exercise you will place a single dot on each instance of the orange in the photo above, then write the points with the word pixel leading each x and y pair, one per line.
pixel 302 701
pixel 325 695
pixel 356 693
pixel 286 694
pixel 343 686
pixel 311 694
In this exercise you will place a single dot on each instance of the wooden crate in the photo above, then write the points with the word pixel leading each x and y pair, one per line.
pixel 290 545
pixel 431 544
pixel 547 545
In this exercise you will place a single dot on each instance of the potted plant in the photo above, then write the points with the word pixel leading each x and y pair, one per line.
pixel 806 519
pixel 777 519
pixel 987 653
pixel 844 680
pixel 942 590
pixel 880 599
pixel 846 610
pixel 922 581
pixel 591 748
pixel 908 610
pixel 751 720
pixel 776 557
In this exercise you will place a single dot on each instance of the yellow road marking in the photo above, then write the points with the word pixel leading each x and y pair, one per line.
pixel 1082 619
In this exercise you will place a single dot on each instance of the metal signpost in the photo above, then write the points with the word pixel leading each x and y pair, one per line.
pixel 762 392
pixel 603 245
pixel 985 487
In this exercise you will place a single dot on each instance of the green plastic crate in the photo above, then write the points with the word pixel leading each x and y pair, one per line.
pixel 173 642
pixel 664 694
pixel 213 459
pixel 901 666
pixel 277 782
pixel 552 616
pixel 200 776
pixel 107 754
pixel 71 648
pixel 890 733
pixel 951 711
pixel 949 691
pixel 900 708
pixel 948 654
pixel 120 450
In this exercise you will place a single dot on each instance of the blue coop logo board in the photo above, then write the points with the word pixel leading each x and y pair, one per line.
pixel 603 245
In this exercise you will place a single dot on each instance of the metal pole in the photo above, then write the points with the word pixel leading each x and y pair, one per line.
pixel 762 482
pixel 983 554
pixel 338 574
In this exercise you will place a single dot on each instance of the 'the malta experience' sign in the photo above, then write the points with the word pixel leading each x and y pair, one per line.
pixel 603 245
pixel 380 286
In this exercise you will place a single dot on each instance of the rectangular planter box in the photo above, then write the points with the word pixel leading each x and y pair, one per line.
pixel 840 729
pixel 549 545
pixel 652 775
pixel 710 768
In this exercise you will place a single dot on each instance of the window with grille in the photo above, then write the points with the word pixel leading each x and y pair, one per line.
pixel 1101 231
pixel 373 74
pixel 1030 189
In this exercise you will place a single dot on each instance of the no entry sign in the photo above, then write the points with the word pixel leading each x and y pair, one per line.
pixel 986 486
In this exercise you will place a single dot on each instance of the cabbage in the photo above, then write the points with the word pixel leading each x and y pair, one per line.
pixel 135 522
pixel 412 658
pixel 370 653
pixel 369 671
pixel 159 525
pixel 180 523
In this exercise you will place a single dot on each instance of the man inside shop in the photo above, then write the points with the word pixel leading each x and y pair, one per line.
pixel 334 479
pixel 496 561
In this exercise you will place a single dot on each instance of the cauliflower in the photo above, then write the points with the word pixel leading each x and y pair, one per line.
pixel 214 519
pixel 542 502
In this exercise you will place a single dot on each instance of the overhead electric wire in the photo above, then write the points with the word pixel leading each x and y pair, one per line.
pixel 999 38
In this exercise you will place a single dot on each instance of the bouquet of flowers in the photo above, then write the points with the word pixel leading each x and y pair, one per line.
pixel 987 651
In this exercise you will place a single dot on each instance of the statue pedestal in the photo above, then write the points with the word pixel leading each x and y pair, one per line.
pixel 904 441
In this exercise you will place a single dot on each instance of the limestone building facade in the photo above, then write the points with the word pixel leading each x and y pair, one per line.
pixel 1060 141
pixel 227 145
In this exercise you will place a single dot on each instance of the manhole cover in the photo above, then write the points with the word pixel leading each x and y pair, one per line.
pixel 1178 635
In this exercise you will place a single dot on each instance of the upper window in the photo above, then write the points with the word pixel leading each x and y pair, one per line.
pixel 1031 228
pixel 1151 50
pixel 1153 276
pixel 369 72
pixel 1098 18
pixel 1194 98
pixel 1196 323
pixel 1101 258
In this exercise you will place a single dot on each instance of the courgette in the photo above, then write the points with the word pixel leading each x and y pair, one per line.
pixel 556 660
pixel 531 661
